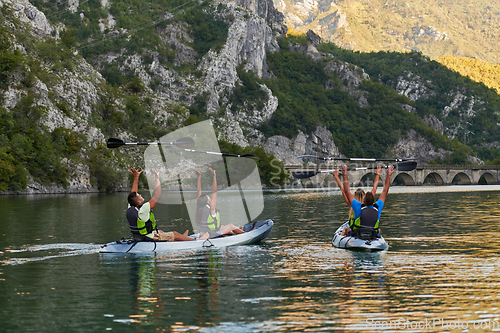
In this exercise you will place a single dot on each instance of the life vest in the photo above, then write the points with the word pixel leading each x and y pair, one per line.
pixel 208 223
pixel 138 226
pixel 368 218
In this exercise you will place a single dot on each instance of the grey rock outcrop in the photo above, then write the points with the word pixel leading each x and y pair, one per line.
pixel 415 146
pixel 351 76
pixel 412 86
pixel 320 143
pixel 27 13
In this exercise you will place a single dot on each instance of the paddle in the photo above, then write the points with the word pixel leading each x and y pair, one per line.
pixel 355 159
pixel 222 154
pixel 186 143
pixel 404 166
pixel 183 143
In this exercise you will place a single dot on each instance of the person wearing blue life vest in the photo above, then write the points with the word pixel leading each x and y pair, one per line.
pixel 207 215
pixel 359 195
pixel 367 213
pixel 141 219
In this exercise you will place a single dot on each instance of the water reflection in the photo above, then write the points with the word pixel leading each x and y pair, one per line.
pixel 143 286
pixel 208 277
pixel 442 266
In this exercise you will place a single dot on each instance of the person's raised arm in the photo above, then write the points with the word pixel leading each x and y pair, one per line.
pixel 198 184
pixel 157 194
pixel 377 178
pixel 213 200
pixel 387 183
pixel 135 184
pixel 347 189
pixel 339 183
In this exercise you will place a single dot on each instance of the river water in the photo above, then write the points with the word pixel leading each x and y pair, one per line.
pixel 440 273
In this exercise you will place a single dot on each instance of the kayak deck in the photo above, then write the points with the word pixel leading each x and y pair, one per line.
pixel 262 229
pixel 353 243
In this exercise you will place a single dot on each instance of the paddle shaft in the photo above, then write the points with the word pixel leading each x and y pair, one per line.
pixel 220 154
pixel 357 159
pixel 186 142
pixel 404 166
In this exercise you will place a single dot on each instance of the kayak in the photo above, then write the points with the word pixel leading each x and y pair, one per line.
pixel 254 233
pixel 353 243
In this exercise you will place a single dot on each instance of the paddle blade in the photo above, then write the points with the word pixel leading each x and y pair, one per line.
pixel 115 143
pixel 312 156
pixel 406 166
pixel 304 174
pixel 186 143
pixel 251 156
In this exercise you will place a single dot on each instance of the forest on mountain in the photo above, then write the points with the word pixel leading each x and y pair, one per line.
pixel 371 130
pixel 475 69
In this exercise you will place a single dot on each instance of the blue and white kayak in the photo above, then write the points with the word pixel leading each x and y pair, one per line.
pixel 353 243
pixel 260 231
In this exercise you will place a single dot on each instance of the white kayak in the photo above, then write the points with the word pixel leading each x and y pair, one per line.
pixel 353 243
pixel 262 229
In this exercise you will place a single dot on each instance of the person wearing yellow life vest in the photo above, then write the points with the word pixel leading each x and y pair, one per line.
pixel 141 219
pixel 359 195
pixel 367 213
pixel 207 215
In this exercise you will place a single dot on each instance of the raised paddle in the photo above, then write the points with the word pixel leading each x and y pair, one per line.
pixel 186 143
pixel 222 154
pixel 404 166
pixel 183 143
pixel 356 159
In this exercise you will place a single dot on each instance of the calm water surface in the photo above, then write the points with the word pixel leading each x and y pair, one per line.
pixel 441 272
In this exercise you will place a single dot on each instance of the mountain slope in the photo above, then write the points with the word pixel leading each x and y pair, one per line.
pixel 463 27
pixel 475 69
pixel 83 72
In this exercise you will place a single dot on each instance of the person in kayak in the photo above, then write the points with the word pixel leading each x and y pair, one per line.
pixel 367 213
pixel 141 219
pixel 207 215
pixel 359 195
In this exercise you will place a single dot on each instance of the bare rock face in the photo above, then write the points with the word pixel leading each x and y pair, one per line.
pixel 249 38
pixel 313 38
pixel 412 86
pixel 27 13
pixel 319 143
pixel 415 146
pixel 352 76
pixel 266 10
pixel 433 122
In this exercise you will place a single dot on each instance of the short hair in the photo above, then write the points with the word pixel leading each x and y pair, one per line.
pixel 369 198
pixel 132 199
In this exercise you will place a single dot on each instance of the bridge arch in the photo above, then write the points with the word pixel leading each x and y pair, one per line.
pixel 486 178
pixel 461 178
pixel 403 178
pixel 434 178
pixel 367 180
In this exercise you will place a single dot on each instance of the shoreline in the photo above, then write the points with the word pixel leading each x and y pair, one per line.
pixel 334 190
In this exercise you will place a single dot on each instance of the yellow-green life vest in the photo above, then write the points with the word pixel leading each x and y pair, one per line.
pixel 138 226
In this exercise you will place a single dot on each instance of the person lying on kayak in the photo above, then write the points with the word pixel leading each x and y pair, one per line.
pixel 359 194
pixel 366 213
pixel 207 215
pixel 141 219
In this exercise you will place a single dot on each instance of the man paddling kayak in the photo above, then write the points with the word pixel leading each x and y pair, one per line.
pixel 367 213
pixel 141 219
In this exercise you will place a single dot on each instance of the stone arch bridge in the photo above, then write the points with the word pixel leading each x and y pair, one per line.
pixel 431 175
